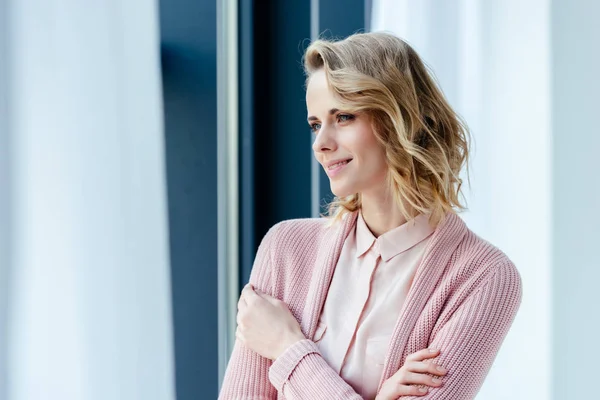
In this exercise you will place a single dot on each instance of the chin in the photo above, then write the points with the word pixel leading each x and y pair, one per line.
pixel 341 191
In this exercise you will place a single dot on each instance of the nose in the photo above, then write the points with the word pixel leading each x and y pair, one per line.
pixel 324 140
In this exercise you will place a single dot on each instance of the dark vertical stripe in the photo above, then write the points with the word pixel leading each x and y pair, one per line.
pixel 189 57
pixel 338 19
pixel 246 142
pixel 281 143
pixel 275 143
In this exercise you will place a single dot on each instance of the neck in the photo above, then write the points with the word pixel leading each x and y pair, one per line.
pixel 381 216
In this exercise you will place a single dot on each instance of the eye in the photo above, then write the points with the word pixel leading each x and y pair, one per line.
pixel 315 127
pixel 345 117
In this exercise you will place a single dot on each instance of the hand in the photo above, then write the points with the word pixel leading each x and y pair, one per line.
pixel 265 324
pixel 413 372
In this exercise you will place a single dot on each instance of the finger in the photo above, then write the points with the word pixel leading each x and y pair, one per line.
pixel 260 293
pixel 423 355
pixel 265 296
pixel 238 320
pixel 241 305
pixel 242 299
pixel 410 390
pixel 413 378
pixel 245 289
pixel 249 294
pixel 423 367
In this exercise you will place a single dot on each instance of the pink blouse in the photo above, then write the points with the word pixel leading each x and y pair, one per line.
pixel 369 286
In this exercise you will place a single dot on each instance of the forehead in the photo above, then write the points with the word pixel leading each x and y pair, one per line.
pixel 319 98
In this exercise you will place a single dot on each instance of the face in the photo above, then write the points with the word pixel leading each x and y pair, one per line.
pixel 344 143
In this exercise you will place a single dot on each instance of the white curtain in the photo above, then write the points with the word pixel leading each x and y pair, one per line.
pixel 492 59
pixel 88 308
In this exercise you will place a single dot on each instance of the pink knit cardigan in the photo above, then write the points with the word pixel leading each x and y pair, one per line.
pixel 463 300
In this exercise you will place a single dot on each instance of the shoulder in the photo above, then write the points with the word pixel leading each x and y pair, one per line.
pixel 293 247
pixel 481 264
pixel 300 226
pixel 478 272
pixel 293 242
pixel 299 232
pixel 285 245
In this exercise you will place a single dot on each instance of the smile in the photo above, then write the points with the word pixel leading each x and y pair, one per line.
pixel 334 169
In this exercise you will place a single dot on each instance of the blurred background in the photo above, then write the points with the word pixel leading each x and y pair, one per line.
pixel 147 146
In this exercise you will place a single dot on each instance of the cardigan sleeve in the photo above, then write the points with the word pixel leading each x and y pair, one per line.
pixel 470 339
pixel 247 373
pixel 302 373
pixel 299 373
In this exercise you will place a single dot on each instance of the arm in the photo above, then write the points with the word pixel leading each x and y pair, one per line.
pixel 302 373
pixel 471 338
pixel 299 372
pixel 247 373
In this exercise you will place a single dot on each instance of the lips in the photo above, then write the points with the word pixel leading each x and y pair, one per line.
pixel 337 163
pixel 336 167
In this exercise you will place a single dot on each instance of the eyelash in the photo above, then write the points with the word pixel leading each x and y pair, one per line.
pixel 349 117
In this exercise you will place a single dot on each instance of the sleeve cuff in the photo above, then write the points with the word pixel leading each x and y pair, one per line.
pixel 284 365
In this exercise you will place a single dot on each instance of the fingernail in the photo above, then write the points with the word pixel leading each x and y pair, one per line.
pixel 441 369
pixel 436 380
pixel 423 390
pixel 433 350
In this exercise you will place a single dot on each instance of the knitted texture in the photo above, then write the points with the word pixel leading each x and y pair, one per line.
pixel 463 300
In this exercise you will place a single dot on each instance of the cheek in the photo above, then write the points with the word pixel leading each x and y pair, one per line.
pixel 362 140
pixel 372 150
pixel 376 159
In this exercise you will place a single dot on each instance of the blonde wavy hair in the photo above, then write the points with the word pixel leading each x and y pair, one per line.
pixel 426 142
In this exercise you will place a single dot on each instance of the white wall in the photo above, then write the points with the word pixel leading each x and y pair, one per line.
pixel 492 59
pixel 576 194
pixel 90 310
pixel 518 140
pixel 4 201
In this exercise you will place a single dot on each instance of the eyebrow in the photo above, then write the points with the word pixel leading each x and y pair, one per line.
pixel 331 112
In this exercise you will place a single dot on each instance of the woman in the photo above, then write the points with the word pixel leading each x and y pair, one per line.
pixel 391 295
